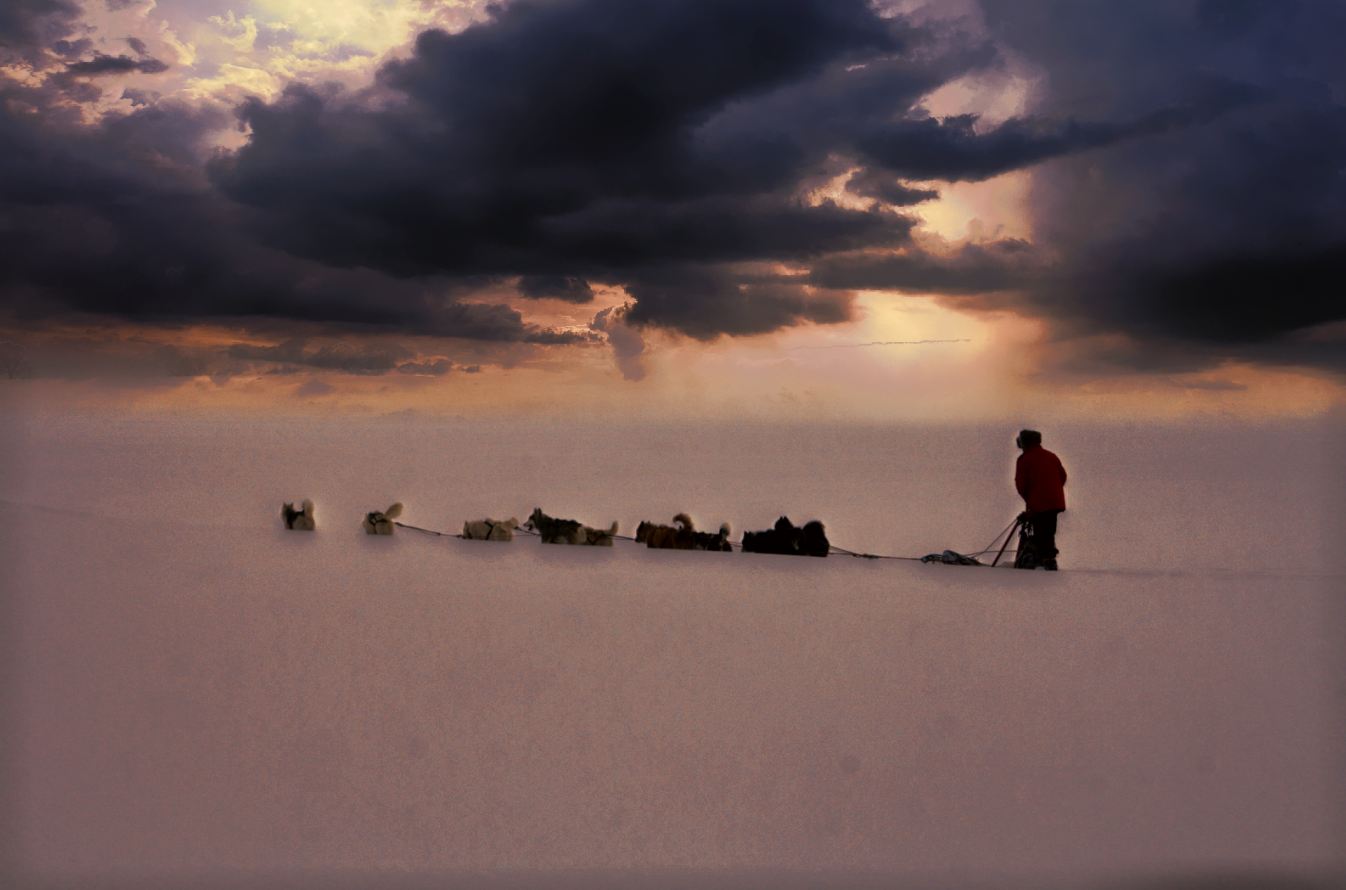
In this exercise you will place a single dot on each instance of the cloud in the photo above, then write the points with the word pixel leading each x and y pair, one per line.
pixel 954 148
pixel 882 185
pixel 555 337
pixel 1185 159
pixel 705 303
pixel 138 98
pixel 117 219
pixel 581 139
pixel 430 368
pixel 71 49
pixel 338 356
pixel 314 388
pixel 971 269
pixel 82 354
pixel 566 141
pixel 27 27
pixel 1224 240
pixel 628 346
pixel 556 287
pixel 102 64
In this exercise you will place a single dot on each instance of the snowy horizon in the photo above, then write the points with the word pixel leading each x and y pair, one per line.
pixel 201 698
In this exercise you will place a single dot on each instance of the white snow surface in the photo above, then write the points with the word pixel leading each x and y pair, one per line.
pixel 196 697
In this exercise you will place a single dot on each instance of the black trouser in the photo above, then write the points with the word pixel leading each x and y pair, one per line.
pixel 1044 533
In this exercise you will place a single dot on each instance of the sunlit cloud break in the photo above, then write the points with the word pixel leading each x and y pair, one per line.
pixel 883 343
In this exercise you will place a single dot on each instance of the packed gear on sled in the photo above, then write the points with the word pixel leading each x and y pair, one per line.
pixel 951 558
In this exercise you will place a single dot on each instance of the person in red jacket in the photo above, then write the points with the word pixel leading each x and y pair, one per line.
pixel 1041 481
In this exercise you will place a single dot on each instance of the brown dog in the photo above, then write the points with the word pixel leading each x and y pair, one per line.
pixel 569 531
pixel 667 537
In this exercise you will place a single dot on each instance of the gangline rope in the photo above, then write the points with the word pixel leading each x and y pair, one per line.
pixel 832 548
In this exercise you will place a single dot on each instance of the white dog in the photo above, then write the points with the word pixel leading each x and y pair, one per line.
pixel 490 529
pixel 299 520
pixel 377 523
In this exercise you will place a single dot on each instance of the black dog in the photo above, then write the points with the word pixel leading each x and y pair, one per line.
pixel 813 540
pixel 789 539
pixel 718 541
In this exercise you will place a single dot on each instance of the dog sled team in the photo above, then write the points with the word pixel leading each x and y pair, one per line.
pixel 783 538
pixel 1039 478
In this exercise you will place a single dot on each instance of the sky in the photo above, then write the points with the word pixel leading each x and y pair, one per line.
pixel 884 210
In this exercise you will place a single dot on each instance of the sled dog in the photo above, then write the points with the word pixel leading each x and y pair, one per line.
pixel 377 523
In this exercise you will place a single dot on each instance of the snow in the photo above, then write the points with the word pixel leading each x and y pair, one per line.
pixel 196 695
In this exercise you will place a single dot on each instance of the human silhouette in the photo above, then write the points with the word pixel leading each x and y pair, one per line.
pixel 1040 480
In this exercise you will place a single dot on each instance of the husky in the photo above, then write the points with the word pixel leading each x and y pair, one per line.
pixel 569 531
pixel 300 520
pixel 778 539
pixel 718 541
pixel 787 538
pixel 667 537
pixel 377 523
pixel 490 529
pixel 682 535
pixel 813 539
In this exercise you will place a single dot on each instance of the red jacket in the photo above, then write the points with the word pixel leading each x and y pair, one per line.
pixel 1040 479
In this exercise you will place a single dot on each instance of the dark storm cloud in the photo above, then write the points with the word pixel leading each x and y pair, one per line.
pixel 117 219
pixel 658 145
pixel 556 287
pixel 101 64
pixel 971 269
pixel 137 45
pixel 1190 187
pixel 879 184
pixel 953 148
pixel 138 98
pixel 27 27
pixel 71 49
pixel 705 303
pixel 1224 240
pixel 559 134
